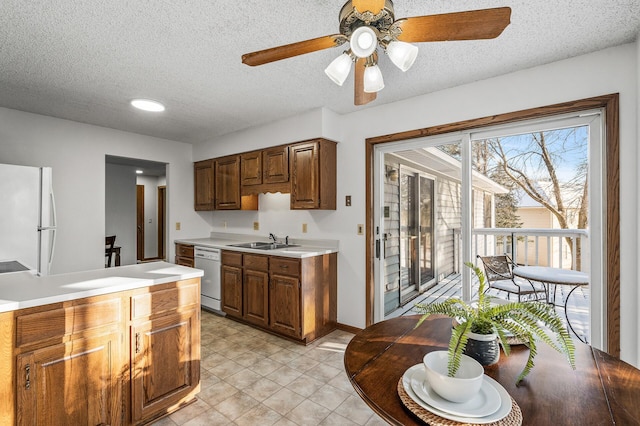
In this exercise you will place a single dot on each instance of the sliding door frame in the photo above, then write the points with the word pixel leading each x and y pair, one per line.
pixel 610 107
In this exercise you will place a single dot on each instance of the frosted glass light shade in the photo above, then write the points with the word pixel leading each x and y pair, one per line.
pixel 373 81
pixel 363 42
pixel 402 54
pixel 338 69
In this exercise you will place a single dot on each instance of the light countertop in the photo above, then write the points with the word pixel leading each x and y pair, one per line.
pixel 24 290
pixel 303 247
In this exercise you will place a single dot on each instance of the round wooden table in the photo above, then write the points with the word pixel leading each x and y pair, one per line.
pixel 602 390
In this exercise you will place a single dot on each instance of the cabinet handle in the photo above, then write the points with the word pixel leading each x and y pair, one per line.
pixel 27 371
pixel 137 343
pixel 284 266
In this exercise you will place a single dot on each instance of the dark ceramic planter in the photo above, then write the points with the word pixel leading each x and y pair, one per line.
pixel 484 348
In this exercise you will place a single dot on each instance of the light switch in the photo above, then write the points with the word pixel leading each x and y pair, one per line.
pixel 177 226
pixel 347 201
pixel 256 226
pixel 304 228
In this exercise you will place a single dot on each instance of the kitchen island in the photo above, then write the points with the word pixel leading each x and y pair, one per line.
pixel 110 346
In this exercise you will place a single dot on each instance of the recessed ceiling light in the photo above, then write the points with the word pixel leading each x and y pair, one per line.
pixel 139 172
pixel 147 105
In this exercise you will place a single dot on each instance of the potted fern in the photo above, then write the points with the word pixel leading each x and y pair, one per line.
pixel 523 321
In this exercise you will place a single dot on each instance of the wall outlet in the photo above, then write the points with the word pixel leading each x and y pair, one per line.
pixel 177 226
pixel 347 200
pixel 256 226
pixel 224 224
pixel 304 228
pixel 360 229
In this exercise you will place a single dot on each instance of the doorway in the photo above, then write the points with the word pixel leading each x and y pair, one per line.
pixel 124 219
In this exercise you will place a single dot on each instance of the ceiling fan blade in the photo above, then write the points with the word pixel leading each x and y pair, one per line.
pixel 294 49
pixel 373 6
pixel 471 25
pixel 361 97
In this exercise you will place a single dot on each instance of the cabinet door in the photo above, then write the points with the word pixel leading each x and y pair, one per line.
pixel 165 370
pixel 227 183
pixel 275 162
pixel 284 300
pixel 305 176
pixel 231 283
pixel 73 383
pixel 251 168
pixel 256 297
pixel 203 183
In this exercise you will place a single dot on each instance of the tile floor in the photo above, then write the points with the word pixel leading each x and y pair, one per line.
pixel 250 377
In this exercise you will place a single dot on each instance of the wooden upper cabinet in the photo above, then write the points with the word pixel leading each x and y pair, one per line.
pixel 251 168
pixel 275 164
pixel 313 174
pixel 203 185
pixel 227 183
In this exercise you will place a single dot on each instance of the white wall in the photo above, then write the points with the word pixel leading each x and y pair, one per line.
pixel 76 152
pixel 609 71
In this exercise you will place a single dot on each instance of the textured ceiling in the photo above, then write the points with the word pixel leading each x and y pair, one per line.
pixel 84 60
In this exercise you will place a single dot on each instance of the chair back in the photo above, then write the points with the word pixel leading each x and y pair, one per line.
pixel 496 267
pixel 108 249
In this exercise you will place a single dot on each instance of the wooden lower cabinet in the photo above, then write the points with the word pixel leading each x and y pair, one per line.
pixel 73 383
pixel 256 289
pixel 185 255
pixel 165 363
pixel 231 283
pixel 284 297
pixel 123 358
pixel 295 298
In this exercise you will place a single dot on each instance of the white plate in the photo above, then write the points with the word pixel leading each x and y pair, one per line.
pixel 485 402
pixel 503 411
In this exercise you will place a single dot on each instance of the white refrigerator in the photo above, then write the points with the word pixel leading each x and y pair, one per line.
pixel 27 217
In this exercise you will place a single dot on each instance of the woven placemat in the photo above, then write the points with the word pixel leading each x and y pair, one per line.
pixel 513 419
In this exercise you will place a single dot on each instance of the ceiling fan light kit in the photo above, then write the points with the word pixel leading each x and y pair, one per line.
pixel 402 54
pixel 373 81
pixel 338 70
pixel 367 24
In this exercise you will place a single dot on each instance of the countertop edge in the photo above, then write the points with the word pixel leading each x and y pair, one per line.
pixel 299 252
pixel 66 287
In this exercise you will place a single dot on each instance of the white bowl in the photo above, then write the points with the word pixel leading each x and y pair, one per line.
pixel 460 388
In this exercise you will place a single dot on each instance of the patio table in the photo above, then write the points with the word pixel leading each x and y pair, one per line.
pixel 556 276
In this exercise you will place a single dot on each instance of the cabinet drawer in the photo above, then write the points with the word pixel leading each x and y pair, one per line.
pixel 56 323
pixel 231 258
pixel 185 261
pixel 184 250
pixel 162 301
pixel 256 262
pixel 285 266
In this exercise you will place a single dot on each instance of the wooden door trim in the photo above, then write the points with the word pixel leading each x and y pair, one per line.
pixel 139 224
pixel 162 226
pixel 610 105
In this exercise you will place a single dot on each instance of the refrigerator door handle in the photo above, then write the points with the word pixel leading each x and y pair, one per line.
pixel 51 250
pixel 52 199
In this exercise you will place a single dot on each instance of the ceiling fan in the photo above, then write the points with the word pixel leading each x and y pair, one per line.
pixel 369 24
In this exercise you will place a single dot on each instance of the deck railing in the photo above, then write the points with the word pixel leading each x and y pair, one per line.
pixel 560 248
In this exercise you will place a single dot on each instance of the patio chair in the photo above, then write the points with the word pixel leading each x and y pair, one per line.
pixel 499 275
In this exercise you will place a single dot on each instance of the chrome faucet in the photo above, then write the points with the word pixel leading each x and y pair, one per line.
pixel 273 237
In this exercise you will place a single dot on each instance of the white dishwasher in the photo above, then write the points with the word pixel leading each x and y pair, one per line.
pixel 208 259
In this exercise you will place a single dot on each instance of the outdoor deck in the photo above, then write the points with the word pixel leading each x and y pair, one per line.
pixel 451 286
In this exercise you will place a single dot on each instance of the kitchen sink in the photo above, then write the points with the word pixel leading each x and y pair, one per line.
pixel 262 245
